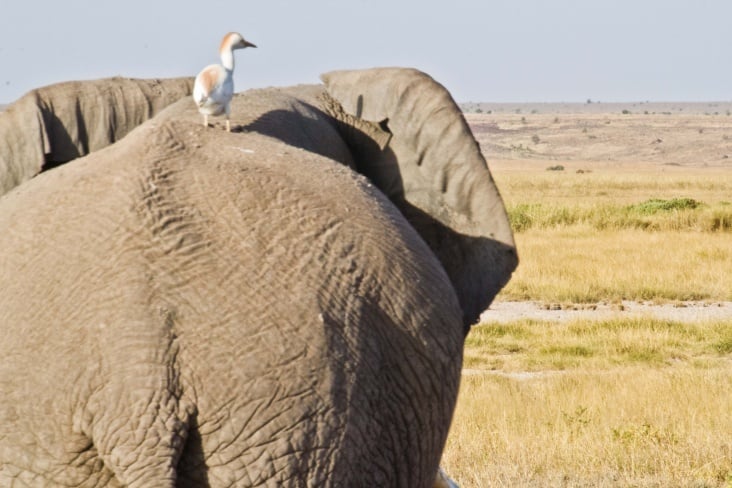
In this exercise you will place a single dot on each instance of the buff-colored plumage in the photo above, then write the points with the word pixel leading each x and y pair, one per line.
pixel 214 85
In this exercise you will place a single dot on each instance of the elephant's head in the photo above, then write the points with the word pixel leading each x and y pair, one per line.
pixel 409 137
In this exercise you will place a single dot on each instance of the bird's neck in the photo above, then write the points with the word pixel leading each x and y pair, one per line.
pixel 227 58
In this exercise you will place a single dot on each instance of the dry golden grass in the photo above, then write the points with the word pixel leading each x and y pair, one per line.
pixel 675 214
pixel 622 402
pixel 600 236
pixel 539 346
pixel 639 402
pixel 631 426
pixel 580 264
pixel 524 182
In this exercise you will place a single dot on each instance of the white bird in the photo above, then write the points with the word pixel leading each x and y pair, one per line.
pixel 214 85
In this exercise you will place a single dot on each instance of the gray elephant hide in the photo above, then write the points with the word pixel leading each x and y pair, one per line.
pixel 405 133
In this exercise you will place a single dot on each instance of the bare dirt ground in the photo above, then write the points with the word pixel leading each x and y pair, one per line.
pixel 503 312
pixel 606 137
pixel 595 107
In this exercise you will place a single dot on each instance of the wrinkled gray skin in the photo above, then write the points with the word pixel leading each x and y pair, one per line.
pixel 190 307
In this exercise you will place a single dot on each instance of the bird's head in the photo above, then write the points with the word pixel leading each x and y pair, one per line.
pixel 234 40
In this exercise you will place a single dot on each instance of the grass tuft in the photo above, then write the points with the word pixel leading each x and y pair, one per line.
pixel 724 346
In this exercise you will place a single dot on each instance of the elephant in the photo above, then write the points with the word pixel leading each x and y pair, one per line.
pixel 284 304
pixel 55 124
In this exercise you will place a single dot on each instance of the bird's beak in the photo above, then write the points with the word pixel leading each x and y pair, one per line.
pixel 249 44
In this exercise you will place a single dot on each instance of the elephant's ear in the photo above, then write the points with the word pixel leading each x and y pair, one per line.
pixel 410 138
pixel 24 142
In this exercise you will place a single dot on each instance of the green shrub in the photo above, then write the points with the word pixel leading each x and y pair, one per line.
pixel 724 346
pixel 655 205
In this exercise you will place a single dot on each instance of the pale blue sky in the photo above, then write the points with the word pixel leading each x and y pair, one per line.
pixel 482 50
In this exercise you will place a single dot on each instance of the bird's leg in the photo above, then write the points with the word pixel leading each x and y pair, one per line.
pixel 205 120
pixel 228 114
pixel 228 125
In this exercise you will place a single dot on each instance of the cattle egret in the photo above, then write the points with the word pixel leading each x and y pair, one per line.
pixel 214 85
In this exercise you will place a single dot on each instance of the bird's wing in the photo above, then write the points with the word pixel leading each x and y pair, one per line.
pixel 205 83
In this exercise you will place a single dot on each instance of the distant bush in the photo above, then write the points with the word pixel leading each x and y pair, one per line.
pixel 522 149
pixel 535 139
pixel 558 167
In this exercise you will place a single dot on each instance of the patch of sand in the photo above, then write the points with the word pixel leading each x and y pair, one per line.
pixel 503 312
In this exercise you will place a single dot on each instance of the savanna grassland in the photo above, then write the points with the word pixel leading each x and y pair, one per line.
pixel 607 207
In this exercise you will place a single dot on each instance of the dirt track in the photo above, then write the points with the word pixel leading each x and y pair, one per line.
pixel 681 312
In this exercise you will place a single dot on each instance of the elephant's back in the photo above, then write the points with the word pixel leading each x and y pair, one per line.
pixel 328 297
pixel 289 236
